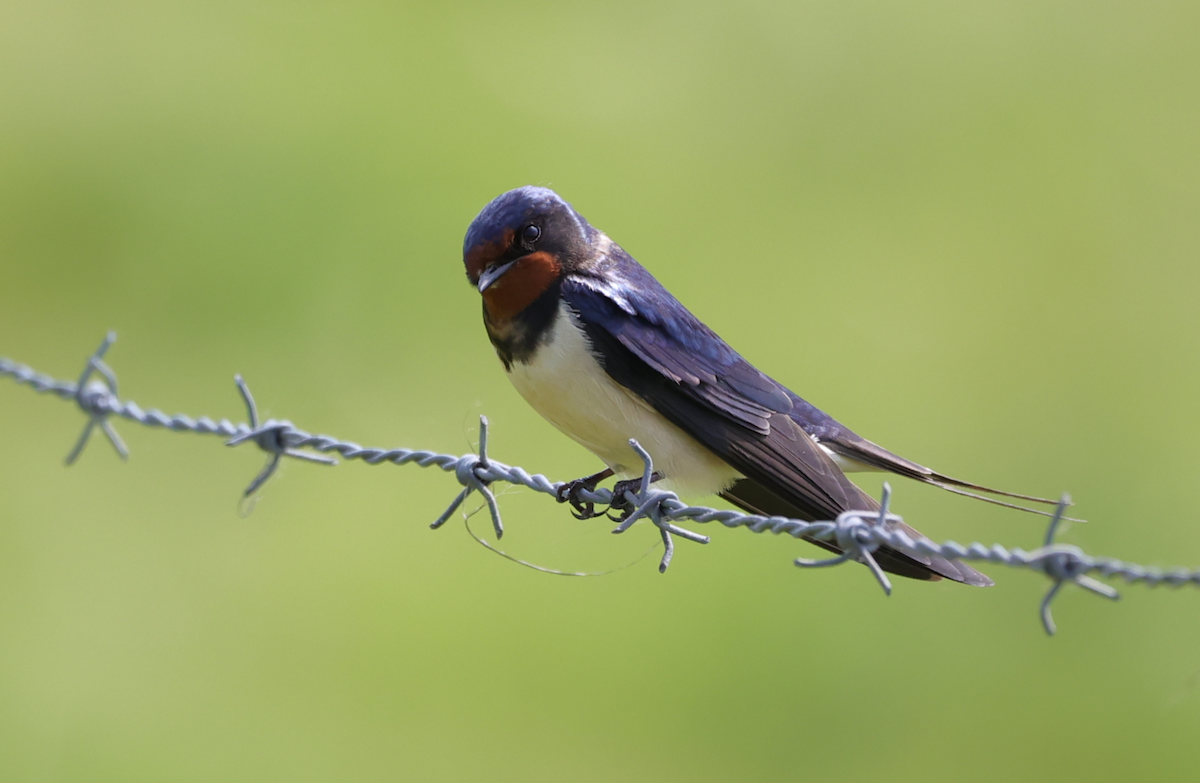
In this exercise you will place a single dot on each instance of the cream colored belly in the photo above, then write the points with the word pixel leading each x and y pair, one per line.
pixel 567 386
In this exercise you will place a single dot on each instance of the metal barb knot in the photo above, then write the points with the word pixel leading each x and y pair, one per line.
pixel 468 470
pixel 271 437
pixel 1064 563
pixel 98 399
pixel 856 538
pixel 648 503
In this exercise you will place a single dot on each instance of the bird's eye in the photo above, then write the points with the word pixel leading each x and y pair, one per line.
pixel 530 234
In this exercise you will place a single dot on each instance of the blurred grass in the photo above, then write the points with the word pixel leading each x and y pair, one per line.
pixel 968 231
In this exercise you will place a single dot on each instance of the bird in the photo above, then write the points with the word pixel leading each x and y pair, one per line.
pixel 598 347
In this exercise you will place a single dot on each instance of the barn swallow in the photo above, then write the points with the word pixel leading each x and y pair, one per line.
pixel 603 352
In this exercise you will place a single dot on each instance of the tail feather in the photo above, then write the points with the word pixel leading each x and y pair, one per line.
pixel 955 488
pixel 941 480
pixel 879 458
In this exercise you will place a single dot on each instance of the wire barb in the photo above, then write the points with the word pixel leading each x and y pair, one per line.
pixel 853 534
pixel 97 399
pixel 649 503
pixel 1063 563
pixel 858 533
pixel 271 437
pixel 469 471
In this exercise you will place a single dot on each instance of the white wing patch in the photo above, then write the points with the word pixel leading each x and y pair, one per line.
pixel 607 291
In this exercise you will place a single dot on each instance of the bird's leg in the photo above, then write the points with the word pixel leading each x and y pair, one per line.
pixel 569 491
pixel 619 502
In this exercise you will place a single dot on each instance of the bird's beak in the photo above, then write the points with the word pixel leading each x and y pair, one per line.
pixel 489 276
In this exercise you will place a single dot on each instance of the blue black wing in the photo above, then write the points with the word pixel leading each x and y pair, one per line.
pixel 653 346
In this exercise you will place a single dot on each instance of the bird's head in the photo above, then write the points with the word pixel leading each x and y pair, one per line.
pixel 521 245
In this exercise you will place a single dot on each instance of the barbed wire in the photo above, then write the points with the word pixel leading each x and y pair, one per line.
pixel 857 533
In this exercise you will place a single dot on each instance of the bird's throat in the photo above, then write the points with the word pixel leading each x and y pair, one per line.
pixel 529 278
pixel 517 336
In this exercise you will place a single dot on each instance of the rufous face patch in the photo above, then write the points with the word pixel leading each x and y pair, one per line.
pixel 484 254
pixel 520 286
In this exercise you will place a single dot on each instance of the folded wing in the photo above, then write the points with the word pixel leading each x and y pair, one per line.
pixel 649 343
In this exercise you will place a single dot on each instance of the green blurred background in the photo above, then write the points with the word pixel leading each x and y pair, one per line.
pixel 969 231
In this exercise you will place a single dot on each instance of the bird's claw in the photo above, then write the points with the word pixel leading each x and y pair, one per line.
pixel 620 497
pixel 620 503
pixel 572 492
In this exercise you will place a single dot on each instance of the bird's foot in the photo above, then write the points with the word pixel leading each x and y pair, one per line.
pixel 571 492
pixel 620 502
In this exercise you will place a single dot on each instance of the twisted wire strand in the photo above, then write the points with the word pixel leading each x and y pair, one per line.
pixel 857 533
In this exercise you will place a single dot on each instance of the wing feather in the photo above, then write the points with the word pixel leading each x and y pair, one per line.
pixel 650 344
pixel 686 379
